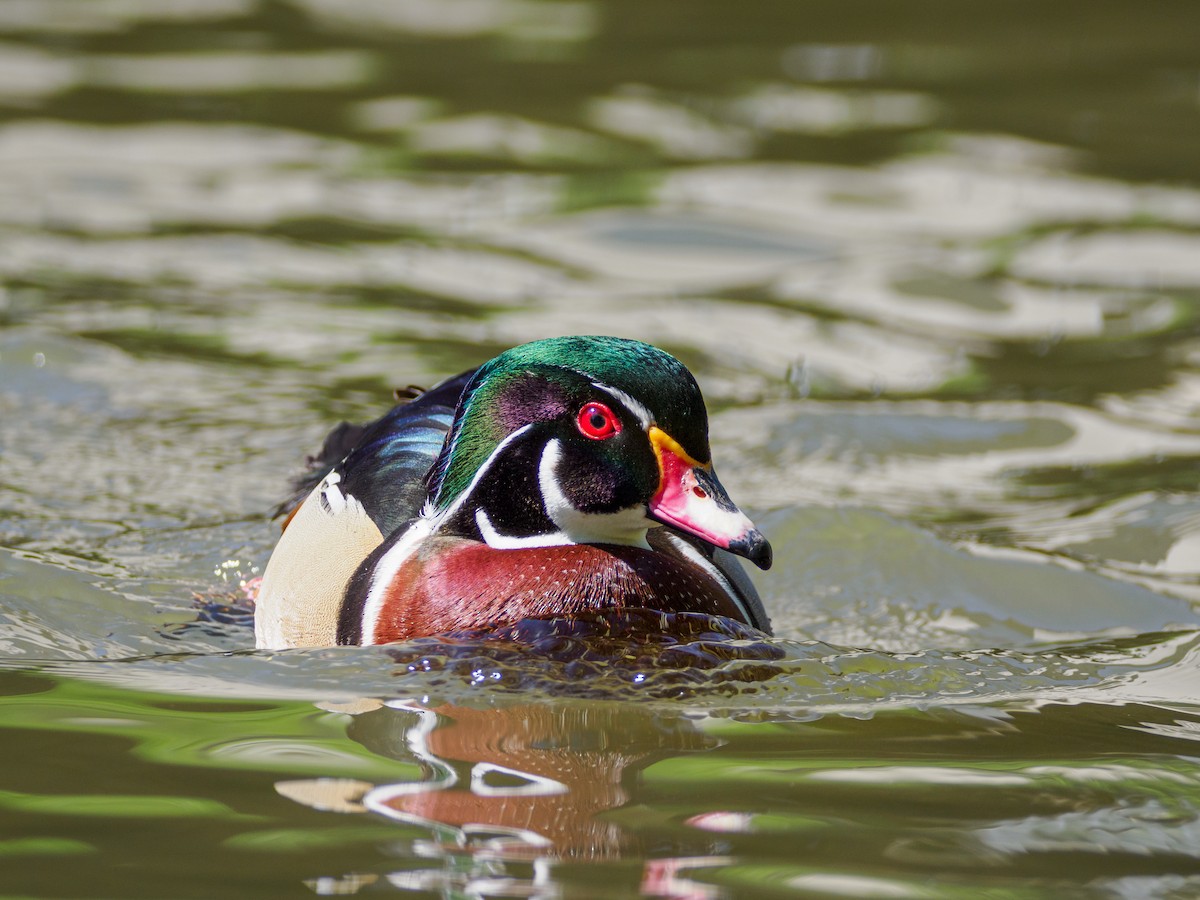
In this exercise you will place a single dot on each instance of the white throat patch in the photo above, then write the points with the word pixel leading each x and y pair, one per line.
pixel 626 526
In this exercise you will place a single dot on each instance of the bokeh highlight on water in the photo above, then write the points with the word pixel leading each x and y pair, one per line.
pixel 936 268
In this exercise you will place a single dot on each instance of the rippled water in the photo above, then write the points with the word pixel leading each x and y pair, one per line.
pixel 937 269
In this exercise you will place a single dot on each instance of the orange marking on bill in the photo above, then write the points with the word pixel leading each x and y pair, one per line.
pixel 663 443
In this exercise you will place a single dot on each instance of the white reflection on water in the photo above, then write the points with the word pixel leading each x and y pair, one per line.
pixel 490 135
pixel 914 775
pixel 103 16
pixel 835 884
pixel 222 262
pixel 226 72
pixel 132 180
pixel 396 113
pixel 968 448
pixel 971 189
pixel 1145 259
pixel 786 108
pixel 1145 829
pixel 674 130
pixel 27 73
pixel 567 21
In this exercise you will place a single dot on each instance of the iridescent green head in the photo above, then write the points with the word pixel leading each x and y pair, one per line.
pixel 551 379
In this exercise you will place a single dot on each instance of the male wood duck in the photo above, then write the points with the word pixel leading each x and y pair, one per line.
pixel 564 475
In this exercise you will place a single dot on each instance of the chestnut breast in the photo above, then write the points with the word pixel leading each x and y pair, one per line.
pixel 454 583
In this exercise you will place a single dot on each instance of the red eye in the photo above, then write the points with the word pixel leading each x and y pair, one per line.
pixel 598 422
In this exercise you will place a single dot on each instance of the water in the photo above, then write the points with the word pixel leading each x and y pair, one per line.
pixel 936 269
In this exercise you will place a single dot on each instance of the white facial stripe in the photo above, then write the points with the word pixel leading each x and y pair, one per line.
pixel 626 526
pixel 638 409
pixel 487 464
pixel 556 502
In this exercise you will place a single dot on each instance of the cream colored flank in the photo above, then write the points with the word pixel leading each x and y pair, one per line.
pixel 307 575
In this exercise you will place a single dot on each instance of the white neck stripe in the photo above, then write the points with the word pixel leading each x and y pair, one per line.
pixel 499 541
pixel 480 472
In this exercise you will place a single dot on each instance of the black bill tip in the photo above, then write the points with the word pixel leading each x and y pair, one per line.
pixel 754 546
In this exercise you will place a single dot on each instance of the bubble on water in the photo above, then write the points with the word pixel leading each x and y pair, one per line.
pixel 242 573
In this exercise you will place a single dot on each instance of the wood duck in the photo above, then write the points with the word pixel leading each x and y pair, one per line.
pixel 565 475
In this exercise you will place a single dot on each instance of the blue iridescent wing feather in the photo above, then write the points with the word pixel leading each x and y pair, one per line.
pixel 384 464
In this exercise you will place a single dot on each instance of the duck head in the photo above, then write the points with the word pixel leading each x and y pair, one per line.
pixel 580 440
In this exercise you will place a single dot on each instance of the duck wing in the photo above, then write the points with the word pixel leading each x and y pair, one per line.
pixel 383 464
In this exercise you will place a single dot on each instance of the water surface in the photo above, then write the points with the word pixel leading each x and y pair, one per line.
pixel 936 270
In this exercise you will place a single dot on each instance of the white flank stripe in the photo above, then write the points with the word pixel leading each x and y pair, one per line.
pixel 386 570
pixel 422 528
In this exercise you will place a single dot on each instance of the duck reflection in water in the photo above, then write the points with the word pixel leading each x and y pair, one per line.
pixel 505 792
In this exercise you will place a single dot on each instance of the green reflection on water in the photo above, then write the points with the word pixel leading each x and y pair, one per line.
pixel 641 794
pixel 280 736
pixel 296 840
pixel 114 806
pixel 44 846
